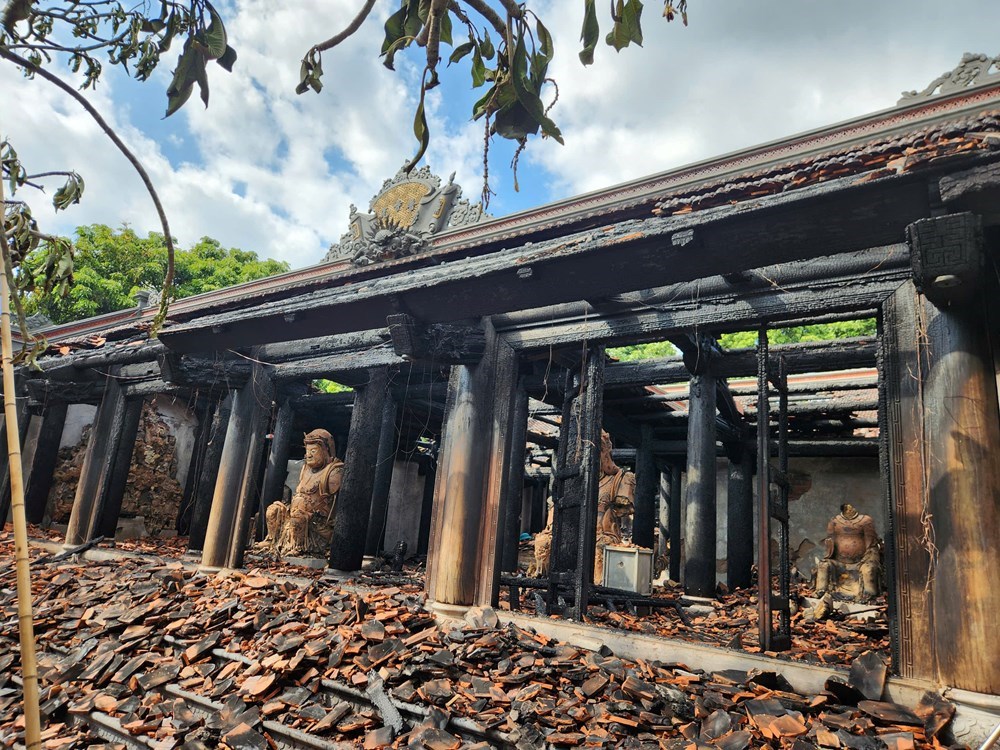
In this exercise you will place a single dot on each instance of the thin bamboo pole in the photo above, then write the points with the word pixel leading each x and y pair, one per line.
pixel 29 667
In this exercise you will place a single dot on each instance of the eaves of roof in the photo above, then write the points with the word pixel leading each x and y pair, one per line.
pixel 894 140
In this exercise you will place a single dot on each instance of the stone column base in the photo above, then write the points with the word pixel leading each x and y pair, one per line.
pixel 449 611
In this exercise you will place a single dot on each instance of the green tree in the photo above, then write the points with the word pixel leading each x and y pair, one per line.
pixel 113 264
pixel 800 334
pixel 208 266
pixel 748 339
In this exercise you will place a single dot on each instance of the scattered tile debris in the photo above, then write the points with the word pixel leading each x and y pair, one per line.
pixel 185 659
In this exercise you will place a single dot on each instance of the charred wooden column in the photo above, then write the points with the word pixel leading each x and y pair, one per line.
pixel 214 439
pixel 428 469
pixel 384 460
pixel 646 486
pixel 98 464
pixel 43 462
pixel 663 514
pixel 577 479
pixel 515 481
pixel 463 561
pixel 943 422
pixel 353 509
pixel 111 502
pixel 739 519
pixel 277 462
pixel 675 522
pixel 699 527
pixel 234 495
pixel 23 422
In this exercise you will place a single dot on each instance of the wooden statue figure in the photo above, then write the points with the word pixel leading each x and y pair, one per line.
pixel 852 564
pixel 303 528
pixel 615 501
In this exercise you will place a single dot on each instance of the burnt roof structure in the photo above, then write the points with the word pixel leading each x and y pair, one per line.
pixel 445 332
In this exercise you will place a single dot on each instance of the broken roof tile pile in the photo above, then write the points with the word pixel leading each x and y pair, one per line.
pixel 883 157
pixel 150 650
pixel 732 622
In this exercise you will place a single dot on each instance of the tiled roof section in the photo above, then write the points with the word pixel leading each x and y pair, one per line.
pixel 905 153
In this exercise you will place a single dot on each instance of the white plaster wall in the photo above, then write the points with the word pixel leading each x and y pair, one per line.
pixel 834 481
pixel 78 418
pixel 183 425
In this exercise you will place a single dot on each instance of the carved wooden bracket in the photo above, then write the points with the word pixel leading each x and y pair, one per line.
pixel 435 342
pixel 946 254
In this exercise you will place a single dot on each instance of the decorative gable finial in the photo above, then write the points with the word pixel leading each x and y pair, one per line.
pixel 406 212
pixel 973 71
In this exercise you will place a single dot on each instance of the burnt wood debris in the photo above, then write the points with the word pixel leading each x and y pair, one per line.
pixel 477 366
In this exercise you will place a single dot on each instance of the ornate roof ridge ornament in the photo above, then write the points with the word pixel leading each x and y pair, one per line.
pixel 974 70
pixel 403 216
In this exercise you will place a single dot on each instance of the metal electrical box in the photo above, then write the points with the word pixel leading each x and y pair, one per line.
pixel 629 568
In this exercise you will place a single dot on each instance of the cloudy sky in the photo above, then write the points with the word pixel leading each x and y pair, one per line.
pixel 263 169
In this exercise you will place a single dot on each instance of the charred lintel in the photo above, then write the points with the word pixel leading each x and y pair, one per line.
pixel 973 190
pixel 819 356
pixel 826 406
pixel 843 287
pixel 319 346
pixel 195 371
pixel 312 401
pixel 947 257
pixel 42 392
pixel 846 447
pixel 350 368
pixel 437 342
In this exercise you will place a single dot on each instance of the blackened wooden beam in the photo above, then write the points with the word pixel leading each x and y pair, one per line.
pixel 515 480
pixel 320 346
pixel 276 471
pixel 817 448
pixel 349 368
pixel 817 386
pixel 499 464
pixel 647 482
pixel 43 462
pixel 700 498
pixel 384 459
pixel 262 389
pixel 353 508
pixel 675 521
pixel 663 512
pixel 428 469
pixel 204 371
pixel 739 520
pixel 203 410
pixel 97 464
pixel 208 469
pixel 838 405
pixel 820 357
pixel 827 218
pixel 111 501
pixel 42 392
pixel 435 342
pixel 840 287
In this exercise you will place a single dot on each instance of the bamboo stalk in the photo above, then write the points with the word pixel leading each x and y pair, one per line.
pixel 29 667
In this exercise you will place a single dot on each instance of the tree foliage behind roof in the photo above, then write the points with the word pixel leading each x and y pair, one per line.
pixel 113 264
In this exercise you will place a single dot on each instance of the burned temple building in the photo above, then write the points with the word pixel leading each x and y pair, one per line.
pixel 474 351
